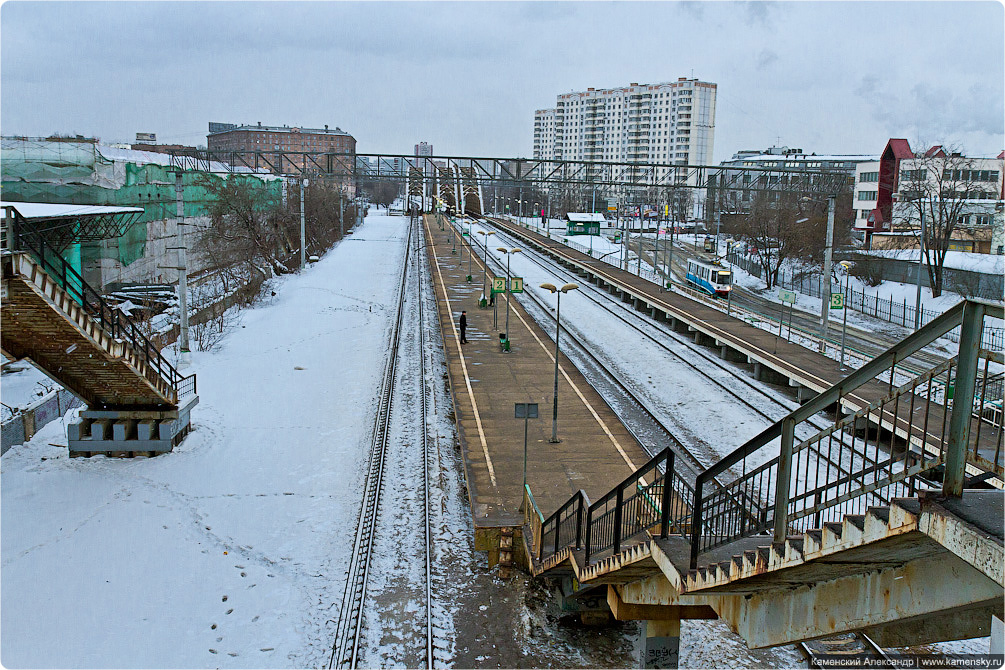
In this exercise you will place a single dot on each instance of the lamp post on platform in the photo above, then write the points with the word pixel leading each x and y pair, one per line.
pixel 509 254
pixel 485 265
pixel 558 331
pixel 470 246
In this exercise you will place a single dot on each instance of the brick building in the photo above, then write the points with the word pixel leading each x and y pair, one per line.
pixel 233 137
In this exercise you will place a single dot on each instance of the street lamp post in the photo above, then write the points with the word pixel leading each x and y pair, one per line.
pixel 469 251
pixel 485 264
pixel 558 331
pixel 509 253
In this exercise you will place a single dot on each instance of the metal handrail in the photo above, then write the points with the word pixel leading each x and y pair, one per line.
pixel 784 488
pixel 113 321
pixel 968 314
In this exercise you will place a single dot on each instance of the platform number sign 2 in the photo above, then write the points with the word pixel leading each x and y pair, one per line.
pixel 499 284
pixel 837 300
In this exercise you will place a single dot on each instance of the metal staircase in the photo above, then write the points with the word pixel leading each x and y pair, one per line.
pixel 53 317
pixel 779 510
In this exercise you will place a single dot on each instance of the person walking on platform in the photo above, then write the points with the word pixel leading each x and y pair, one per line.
pixel 463 323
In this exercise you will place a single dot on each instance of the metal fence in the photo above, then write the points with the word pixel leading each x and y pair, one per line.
pixel 899 312
pixel 23 426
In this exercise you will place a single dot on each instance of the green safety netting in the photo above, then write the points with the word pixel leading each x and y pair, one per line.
pixel 76 172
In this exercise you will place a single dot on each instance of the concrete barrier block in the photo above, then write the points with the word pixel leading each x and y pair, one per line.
pixel 101 430
pixel 146 430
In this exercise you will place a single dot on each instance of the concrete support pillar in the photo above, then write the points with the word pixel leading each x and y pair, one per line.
pixel 662 644
pixel 758 371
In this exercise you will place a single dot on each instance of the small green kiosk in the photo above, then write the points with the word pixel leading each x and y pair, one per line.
pixel 584 223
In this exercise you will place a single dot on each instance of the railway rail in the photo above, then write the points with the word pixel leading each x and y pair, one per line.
pixel 349 637
pixel 846 648
pixel 851 644
pixel 839 463
pixel 696 358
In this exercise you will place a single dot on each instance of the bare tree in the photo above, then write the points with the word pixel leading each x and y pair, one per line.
pixel 248 226
pixel 935 188
pixel 791 222
pixel 382 192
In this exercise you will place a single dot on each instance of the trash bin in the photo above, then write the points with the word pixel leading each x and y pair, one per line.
pixel 503 342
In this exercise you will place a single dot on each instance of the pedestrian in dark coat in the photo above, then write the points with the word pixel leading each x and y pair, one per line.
pixel 463 323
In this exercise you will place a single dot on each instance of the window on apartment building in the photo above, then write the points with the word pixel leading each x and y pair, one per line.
pixel 869 177
pixel 868 195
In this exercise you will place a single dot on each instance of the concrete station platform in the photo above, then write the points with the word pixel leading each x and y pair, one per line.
pixel 596 452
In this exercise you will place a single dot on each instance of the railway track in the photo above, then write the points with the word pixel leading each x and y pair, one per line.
pixel 350 636
pixel 694 357
pixel 845 649
pixel 845 645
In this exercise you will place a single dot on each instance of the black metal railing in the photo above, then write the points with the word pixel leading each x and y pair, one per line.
pixel 948 419
pixel 157 370
pixel 564 528
pixel 640 503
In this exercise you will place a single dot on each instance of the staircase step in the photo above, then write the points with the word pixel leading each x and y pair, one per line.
pixel 882 513
pixel 857 520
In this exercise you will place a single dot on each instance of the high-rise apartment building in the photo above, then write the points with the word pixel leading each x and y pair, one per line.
pixel 423 149
pixel 672 123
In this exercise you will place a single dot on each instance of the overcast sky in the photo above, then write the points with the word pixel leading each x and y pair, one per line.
pixel 827 77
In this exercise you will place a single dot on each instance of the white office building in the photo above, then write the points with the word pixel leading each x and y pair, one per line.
pixel 671 123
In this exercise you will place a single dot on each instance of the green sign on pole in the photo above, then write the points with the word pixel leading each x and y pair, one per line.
pixel 516 285
pixel 499 284
pixel 786 296
pixel 837 300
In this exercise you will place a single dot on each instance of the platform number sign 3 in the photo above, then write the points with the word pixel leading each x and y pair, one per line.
pixel 837 300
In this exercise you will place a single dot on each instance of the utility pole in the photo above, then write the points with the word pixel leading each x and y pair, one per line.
pixel 179 197
pixel 921 260
pixel 341 214
pixel 825 298
pixel 303 226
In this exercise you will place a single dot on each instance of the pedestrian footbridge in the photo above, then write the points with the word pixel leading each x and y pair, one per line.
pixel 137 402
pixel 861 527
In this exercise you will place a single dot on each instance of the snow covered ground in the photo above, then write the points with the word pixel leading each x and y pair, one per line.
pixel 224 552
pixel 231 551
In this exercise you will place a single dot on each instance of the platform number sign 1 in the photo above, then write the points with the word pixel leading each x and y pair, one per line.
pixel 516 285
pixel 499 284
pixel 837 300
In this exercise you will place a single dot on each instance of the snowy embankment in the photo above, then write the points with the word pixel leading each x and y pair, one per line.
pixel 229 551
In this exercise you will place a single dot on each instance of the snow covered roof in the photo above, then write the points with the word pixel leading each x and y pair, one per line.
pixel 142 157
pixel 41 210
pixel 585 217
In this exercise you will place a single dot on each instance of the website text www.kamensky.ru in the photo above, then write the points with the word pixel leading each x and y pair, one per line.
pixel 910 661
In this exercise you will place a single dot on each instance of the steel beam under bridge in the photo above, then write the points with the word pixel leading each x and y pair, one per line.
pixel 521 171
